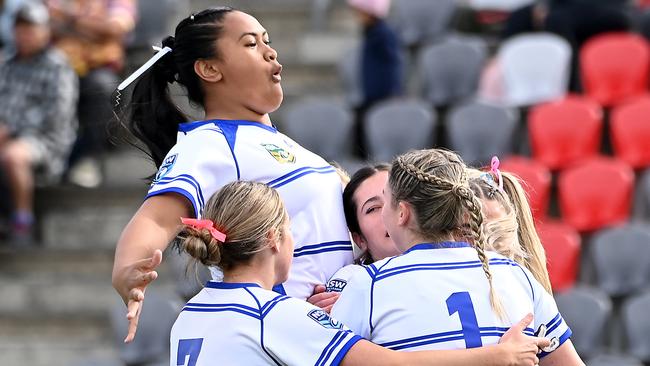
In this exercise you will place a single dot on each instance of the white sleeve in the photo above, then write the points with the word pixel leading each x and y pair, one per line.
pixel 195 168
pixel 340 279
pixel 353 306
pixel 298 333
pixel 547 313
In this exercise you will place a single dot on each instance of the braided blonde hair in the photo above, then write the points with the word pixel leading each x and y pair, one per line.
pixel 443 203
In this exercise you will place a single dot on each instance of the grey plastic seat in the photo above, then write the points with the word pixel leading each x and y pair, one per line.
pixel 396 126
pixel 189 279
pixel 450 70
pixel 350 76
pixel 637 325
pixel 322 126
pixel 420 21
pixel 478 131
pixel 586 310
pixel 642 197
pixel 614 360
pixel 151 343
pixel 621 258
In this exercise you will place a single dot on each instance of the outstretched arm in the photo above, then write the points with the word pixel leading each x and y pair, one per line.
pixel 151 229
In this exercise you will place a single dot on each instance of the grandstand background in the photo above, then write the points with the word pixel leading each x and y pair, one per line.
pixel 584 157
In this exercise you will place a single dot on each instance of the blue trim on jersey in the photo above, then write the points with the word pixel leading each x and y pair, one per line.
pixel 441 245
pixel 188 179
pixel 182 192
pixel 216 305
pixel 344 350
pixel 266 309
pixel 446 337
pixel 372 289
pixel 532 291
pixel 262 328
pixel 327 352
pixel 291 176
pixel 230 285
pixel 439 267
pixel 230 133
pixel 330 246
pixel 189 126
pixel 554 323
pixel 279 289
pixel 563 338
pixel 216 309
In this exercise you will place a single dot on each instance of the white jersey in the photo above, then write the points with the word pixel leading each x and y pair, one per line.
pixel 341 278
pixel 210 154
pixel 243 324
pixel 436 296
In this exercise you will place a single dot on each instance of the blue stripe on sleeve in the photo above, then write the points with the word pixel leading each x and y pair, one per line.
pixel 344 350
pixel 188 179
pixel 331 246
pixel 186 194
pixel 327 352
pixel 563 338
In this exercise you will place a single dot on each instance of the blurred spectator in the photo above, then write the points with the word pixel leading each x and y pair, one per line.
pixel 92 33
pixel 7 17
pixel 381 57
pixel 574 20
pixel 38 98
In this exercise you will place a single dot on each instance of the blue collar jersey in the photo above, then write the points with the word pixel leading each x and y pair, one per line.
pixel 243 324
pixel 210 154
pixel 436 296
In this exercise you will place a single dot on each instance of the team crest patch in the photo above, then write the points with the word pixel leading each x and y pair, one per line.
pixel 324 319
pixel 281 155
pixel 336 285
pixel 165 167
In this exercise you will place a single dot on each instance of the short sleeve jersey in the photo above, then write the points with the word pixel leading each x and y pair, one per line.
pixel 341 278
pixel 210 154
pixel 243 324
pixel 436 296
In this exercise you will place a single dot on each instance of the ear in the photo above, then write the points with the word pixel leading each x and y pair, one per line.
pixel 208 70
pixel 272 239
pixel 360 241
pixel 404 213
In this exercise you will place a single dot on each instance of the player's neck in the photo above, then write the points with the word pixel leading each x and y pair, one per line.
pixel 227 111
pixel 262 274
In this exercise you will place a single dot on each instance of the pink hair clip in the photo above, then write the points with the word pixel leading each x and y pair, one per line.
pixel 494 168
pixel 205 224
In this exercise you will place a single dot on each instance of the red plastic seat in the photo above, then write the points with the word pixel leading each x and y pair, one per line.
pixel 563 246
pixel 565 131
pixel 536 181
pixel 596 193
pixel 614 67
pixel 630 131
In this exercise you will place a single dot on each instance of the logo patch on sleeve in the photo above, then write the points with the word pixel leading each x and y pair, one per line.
pixel 165 167
pixel 336 285
pixel 324 319
pixel 281 155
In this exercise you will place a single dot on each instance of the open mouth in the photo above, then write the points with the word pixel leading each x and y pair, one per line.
pixel 276 77
pixel 388 236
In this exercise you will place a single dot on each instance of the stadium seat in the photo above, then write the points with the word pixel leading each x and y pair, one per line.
pixel 396 126
pixel 637 325
pixel 420 21
pixel 642 197
pixel 630 132
pixel 350 76
pixel 614 360
pixel 565 131
pixel 189 280
pixel 615 67
pixel 536 181
pixel 450 69
pixel 596 193
pixel 479 131
pixel 562 245
pixel 151 345
pixel 587 311
pixel 535 68
pixel 621 257
pixel 322 126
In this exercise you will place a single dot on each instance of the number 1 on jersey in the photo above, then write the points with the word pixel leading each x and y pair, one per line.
pixel 188 347
pixel 461 302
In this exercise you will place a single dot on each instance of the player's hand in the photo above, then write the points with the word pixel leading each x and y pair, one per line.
pixel 137 277
pixel 322 299
pixel 520 349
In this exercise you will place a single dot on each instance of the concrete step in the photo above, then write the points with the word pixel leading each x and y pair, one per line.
pixel 56 342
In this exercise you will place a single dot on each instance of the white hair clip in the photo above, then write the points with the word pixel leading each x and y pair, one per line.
pixel 159 54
